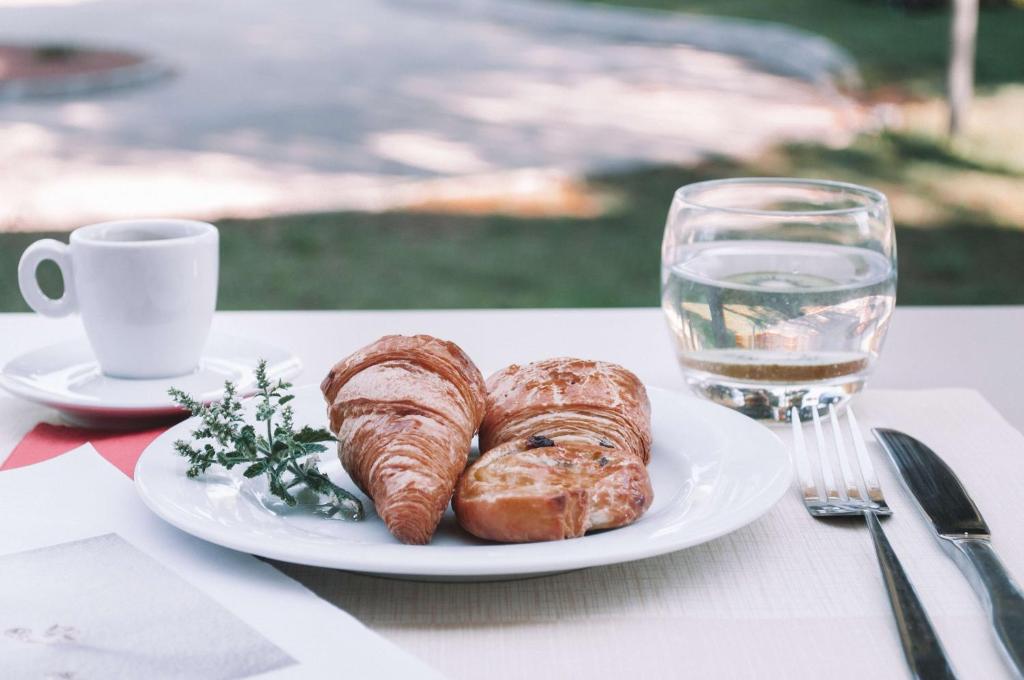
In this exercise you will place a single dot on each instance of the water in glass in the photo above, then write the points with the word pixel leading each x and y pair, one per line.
pixel 762 325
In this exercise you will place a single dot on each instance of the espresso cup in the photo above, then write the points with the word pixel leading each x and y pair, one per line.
pixel 145 290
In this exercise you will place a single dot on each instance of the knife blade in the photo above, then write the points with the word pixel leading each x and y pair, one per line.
pixel 962 531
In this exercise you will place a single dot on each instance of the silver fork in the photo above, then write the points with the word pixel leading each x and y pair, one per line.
pixel 849 494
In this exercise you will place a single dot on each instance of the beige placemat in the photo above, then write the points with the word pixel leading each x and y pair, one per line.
pixel 785 597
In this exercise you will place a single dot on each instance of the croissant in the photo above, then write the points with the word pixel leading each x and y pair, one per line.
pixel 565 444
pixel 405 410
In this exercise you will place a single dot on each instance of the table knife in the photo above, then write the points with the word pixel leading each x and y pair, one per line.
pixel 963 533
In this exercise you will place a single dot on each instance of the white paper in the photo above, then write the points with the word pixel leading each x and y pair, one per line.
pixel 53 507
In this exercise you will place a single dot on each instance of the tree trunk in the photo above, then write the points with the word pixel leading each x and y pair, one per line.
pixel 960 84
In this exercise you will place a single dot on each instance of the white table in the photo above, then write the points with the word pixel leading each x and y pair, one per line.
pixel 927 348
pixel 977 347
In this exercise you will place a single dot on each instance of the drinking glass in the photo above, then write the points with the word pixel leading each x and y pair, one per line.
pixel 778 292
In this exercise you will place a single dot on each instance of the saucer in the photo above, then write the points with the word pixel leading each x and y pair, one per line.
pixel 67 377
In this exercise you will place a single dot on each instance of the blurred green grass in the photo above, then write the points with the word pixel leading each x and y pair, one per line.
pixel 891 46
pixel 950 254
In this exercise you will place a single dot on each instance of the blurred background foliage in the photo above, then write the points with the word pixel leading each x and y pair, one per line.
pixel 959 205
pixel 897 43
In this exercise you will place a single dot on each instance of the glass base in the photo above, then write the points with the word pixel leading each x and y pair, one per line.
pixel 773 402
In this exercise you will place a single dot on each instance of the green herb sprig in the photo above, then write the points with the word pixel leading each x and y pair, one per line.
pixel 287 457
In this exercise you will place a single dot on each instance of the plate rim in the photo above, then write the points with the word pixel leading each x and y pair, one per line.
pixel 754 507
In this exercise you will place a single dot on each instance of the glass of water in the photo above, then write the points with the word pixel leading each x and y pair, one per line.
pixel 778 292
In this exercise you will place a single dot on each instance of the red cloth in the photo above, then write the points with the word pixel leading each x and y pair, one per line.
pixel 47 441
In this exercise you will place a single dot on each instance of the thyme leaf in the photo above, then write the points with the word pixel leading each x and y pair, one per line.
pixel 269 447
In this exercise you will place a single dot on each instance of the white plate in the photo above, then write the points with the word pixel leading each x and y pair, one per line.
pixel 66 377
pixel 713 471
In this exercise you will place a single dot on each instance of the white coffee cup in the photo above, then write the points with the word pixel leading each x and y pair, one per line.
pixel 145 289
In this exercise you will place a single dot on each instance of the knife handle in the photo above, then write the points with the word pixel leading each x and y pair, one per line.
pixel 1000 593
pixel 921 646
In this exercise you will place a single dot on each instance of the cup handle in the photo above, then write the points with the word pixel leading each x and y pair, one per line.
pixel 46 249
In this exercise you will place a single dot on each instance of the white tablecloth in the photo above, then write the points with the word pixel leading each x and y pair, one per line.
pixel 787 596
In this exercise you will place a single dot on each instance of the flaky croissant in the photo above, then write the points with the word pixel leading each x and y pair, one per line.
pixel 405 410
pixel 565 444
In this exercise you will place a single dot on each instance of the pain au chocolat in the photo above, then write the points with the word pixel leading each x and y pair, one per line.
pixel 566 443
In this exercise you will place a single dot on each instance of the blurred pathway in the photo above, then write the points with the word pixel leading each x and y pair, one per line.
pixel 312 105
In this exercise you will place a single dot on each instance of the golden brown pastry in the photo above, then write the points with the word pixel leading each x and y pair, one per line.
pixel 551 492
pixel 405 409
pixel 565 446
pixel 587 401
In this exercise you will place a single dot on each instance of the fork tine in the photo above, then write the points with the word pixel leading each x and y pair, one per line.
pixel 831 489
pixel 849 478
pixel 867 470
pixel 860 452
pixel 808 485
